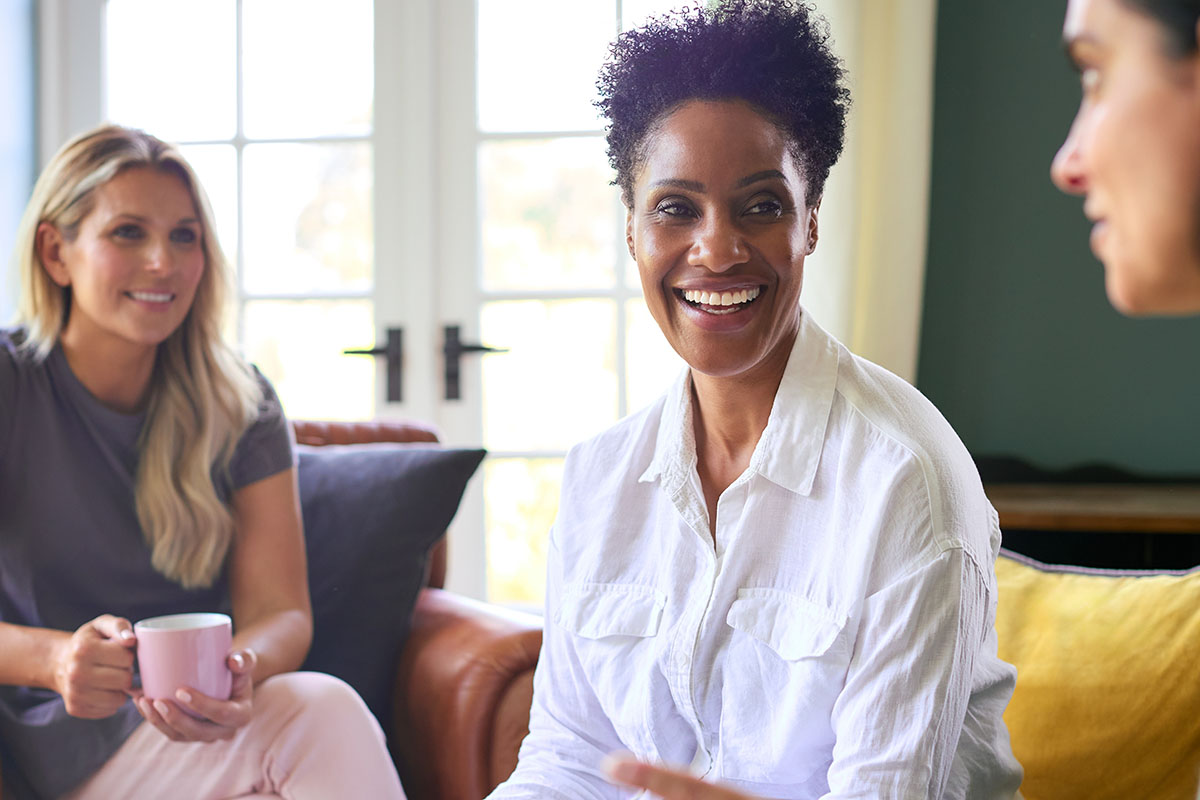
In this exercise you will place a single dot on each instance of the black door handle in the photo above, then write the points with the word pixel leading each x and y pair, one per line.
pixel 394 352
pixel 453 349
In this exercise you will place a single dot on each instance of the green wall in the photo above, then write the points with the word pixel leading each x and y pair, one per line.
pixel 1019 347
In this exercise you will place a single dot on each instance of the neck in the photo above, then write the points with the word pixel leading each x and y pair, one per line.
pixel 729 416
pixel 731 412
pixel 116 374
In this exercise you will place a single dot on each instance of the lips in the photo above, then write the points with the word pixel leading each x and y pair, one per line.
pixel 720 309
pixel 1098 235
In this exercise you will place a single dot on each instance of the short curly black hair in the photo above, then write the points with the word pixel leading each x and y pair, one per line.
pixel 772 54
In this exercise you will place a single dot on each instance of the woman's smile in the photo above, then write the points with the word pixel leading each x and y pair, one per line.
pixel 720 310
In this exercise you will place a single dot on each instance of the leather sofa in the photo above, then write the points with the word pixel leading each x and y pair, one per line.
pixel 464 681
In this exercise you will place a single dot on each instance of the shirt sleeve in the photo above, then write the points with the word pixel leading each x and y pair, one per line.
pixel 899 717
pixel 569 733
pixel 267 446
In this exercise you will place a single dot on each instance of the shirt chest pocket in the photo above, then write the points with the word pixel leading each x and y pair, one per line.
pixel 786 666
pixel 614 629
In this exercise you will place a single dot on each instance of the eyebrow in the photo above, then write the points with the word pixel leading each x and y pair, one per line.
pixel 761 176
pixel 696 186
pixel 140 218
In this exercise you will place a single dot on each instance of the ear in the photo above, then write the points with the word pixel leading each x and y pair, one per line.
pixel 49 244
pixel 629 233
pixel 812 226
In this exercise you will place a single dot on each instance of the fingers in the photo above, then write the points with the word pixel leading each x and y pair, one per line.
pixel 179 726
pixel 94 668
pixel 117 629
pixel 232 713
pixel 665 783
pixel 242 664
pixel 242 661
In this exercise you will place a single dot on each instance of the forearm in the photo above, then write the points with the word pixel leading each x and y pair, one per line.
pixel 28 655
pixel 279 639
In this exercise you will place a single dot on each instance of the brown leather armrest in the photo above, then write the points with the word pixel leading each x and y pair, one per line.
pixel 463 691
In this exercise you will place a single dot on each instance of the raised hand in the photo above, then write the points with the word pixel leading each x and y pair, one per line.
pixel 668 784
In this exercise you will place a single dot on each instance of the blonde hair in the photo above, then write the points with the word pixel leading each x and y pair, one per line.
pixel 203 395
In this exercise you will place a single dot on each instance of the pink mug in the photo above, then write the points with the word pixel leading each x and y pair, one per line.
pixel 184 650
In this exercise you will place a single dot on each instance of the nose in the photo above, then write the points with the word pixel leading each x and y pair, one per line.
pixel 1067 170
pixel 157 255
pixel 718 245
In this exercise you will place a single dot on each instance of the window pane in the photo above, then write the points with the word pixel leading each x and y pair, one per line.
pixel 549 218
pixel 308 68
pixel 538 61
pixel 170 67
pixel 635 12
pixel 216 166
pixel 558 384
pixel 651 365
pixel 522 498
pixel 298 345
pixel 308 218
pixel 633 278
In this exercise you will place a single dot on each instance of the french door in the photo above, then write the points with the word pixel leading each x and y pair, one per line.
pixel 434 168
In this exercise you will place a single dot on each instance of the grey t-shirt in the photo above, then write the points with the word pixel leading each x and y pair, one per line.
pixel 71 547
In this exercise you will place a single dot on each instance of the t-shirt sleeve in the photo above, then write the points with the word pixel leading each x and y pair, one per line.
pixel 268 445
pixel 8 389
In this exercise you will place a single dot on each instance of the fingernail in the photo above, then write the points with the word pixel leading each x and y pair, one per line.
pixel 126 634
pixel 184 696
pixel 161 707
pixel 239 660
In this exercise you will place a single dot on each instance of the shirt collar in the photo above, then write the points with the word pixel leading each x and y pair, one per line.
pixel 789 450
pixel 675 446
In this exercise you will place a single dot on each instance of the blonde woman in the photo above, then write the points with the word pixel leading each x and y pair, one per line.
pixel 146 469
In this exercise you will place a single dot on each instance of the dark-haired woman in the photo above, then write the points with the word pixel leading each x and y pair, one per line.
pixel 1134 148
pixel 781 573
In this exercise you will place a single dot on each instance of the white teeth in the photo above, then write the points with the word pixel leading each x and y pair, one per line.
pixel 720 298
pixel 152 297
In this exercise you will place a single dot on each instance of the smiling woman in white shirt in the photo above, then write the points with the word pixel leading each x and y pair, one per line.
pixel 780 575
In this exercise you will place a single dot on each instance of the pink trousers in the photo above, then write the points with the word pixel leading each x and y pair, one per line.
pixel 311 737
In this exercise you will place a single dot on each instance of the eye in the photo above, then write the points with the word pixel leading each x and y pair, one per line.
pixel 674 207
pixel 765 207
pixel 128 231
pixel 184 236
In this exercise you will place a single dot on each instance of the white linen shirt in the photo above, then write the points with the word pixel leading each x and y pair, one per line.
pixel 835 641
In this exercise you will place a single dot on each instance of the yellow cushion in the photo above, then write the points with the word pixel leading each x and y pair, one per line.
pixel 1107 703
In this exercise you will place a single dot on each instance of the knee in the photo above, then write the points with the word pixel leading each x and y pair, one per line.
pixel 315 695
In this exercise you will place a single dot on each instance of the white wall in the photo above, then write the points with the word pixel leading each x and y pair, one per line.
pixel 17 159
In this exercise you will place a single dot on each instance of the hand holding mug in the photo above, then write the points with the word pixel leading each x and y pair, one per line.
pixel 192 716
pixel 93 669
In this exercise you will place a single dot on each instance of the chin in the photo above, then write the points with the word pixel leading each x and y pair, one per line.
pixel 1144 299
